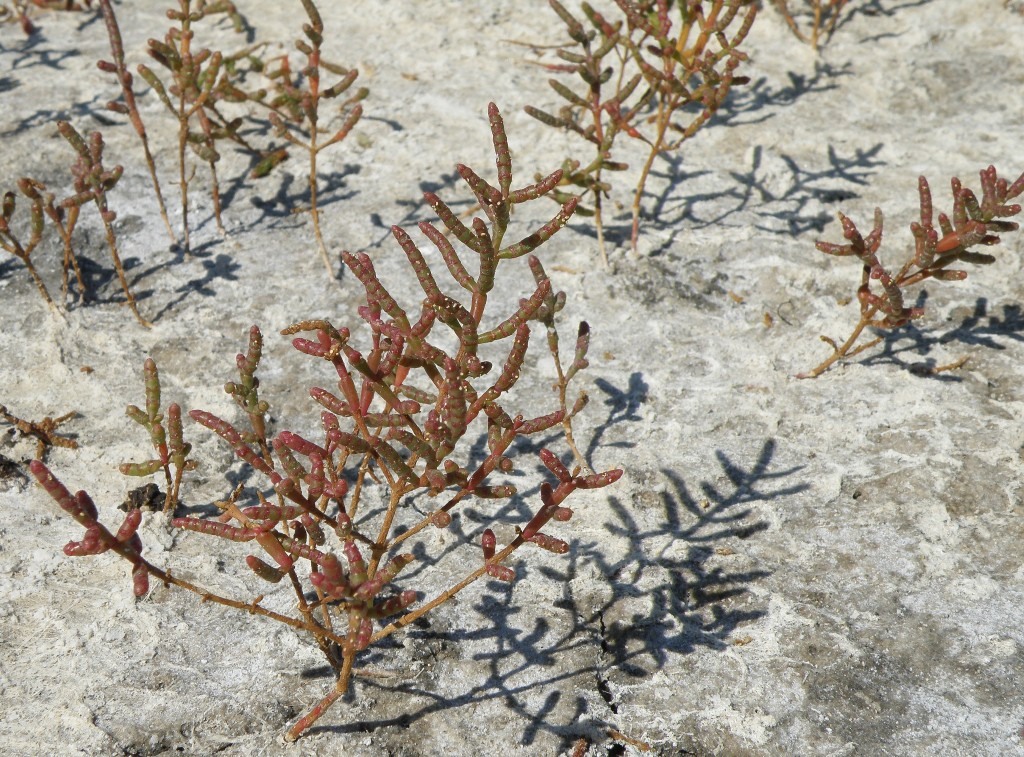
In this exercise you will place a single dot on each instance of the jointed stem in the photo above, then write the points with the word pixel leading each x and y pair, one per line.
pixel 125 80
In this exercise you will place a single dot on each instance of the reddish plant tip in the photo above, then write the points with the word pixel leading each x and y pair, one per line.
pixel 140 580
pixel 38 469
pixel 488 542
pixel 502 573
pixel 553 464
pixel 598 480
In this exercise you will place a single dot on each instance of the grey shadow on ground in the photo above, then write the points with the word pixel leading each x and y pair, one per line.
pixel 805 203
pixel 693 603
pixel 981 329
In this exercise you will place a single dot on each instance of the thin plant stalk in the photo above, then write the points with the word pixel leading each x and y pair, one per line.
pixel 305 104
pixel 23 250
pixel 129 106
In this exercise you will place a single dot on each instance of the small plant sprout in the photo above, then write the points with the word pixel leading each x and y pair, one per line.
pixel 246 393
pixel 300 105
pixel 881 295
pixel 166 437
pixel 824 14
pixel 92 181
pixel 411 426
pixel 64 220
pixel 16 243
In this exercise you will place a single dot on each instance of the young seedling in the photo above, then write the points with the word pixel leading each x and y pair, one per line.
pixel 92 182
pixel 403 416
pixel 299 101
pixel 64 220
pixel 972 223
pixel 15 243
pixel 246 393
pixel 599 57
pixel 687 65
pixel 171 449
pixel 822 22
pixel 552 304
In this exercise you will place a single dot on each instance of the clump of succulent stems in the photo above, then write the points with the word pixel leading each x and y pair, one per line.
pixel 15 241
pixel 881 294
pixel 200 81
pixel 296 106
pixel 689 67
pixel 91 181
pixel 198 78
pixel 658 74
pixel 403 416
pixel 166 437
pixel 824 14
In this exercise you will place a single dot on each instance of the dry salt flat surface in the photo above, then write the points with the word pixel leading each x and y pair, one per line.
pixel 827 567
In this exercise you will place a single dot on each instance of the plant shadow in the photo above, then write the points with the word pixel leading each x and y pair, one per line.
pixel 789 199
pixel 469 521
pixel 34 53
pixel 763 95
pixel 91 111
pixel 417 210
pixel 666 592
pixel 908 347
pixel 292 197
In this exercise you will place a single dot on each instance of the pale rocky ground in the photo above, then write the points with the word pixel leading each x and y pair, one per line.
pixel 827 567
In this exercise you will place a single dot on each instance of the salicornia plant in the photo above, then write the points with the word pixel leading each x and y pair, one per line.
pixel 299 100
pixel 16 242
pixel 881 293
pixel 91 181
pixel 195 82
pixel 166 437
pixel 403 417
pixel 688 52
pixel 127 105
pixel 823 15
pixel 599 110
pixel 657 74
